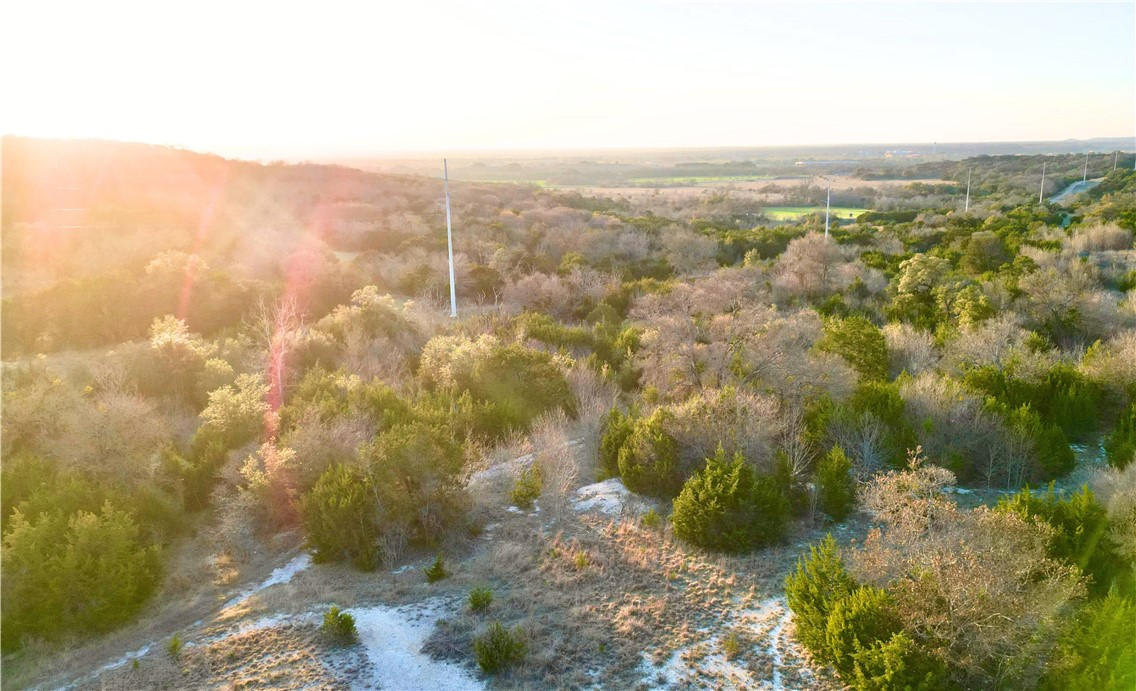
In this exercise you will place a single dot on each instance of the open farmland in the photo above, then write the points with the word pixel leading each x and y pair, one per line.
pixel 792 213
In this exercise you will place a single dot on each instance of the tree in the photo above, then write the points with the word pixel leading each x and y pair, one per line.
pixel 81 573
pixel 1097 649
pixel 339 515
pixel 984 251
pixel 648 461
pixel 812 267
pixel 727 506
pixel 812 590
pixel 858 341
pixel 1080 535
pixel 977 586
pixel 617 427
pixel 236 414
pixel 836 490
pixel 274 327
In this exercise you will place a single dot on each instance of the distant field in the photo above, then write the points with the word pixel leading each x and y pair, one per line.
pixel 697 179
pixel 792 213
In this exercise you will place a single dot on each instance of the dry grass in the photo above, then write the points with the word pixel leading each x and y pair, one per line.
pixel 636 591
pixel 285 656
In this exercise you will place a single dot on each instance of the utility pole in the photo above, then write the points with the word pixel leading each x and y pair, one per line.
pixel 1041 192
pixel 450 240
pixel 827 209
pixel 1086 177
pixel 1115 155
pixel 966 209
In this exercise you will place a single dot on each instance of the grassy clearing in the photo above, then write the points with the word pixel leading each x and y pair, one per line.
pixel 792 213
pixel 697 179
pixel 595 598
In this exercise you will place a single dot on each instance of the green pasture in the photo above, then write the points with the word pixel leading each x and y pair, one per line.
pixel 792 213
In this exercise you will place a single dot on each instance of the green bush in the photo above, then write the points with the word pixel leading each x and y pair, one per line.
pixel 896 663
pixel 648 461
pixel 1081 537
pixel 339 627
pixel 174 647
pixel 860 343
pixel 515 383
pixel 856 628
pixel 73 573
pixel 415 469
pixel 1064 397
pixel 1097 649
pixel 836 490
pixel 652 519
pixel 339 517
pixel 526 487
pixel 498 648
pixel 617 427
pixel 857 621
pixel 812 591
pixel 727 506
pixel 436 571
pixel 480 599
pixel 1120 445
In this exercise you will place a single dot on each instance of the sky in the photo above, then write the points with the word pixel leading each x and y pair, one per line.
pixel 336 79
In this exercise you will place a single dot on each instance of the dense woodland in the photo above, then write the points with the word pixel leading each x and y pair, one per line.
pixel 198 346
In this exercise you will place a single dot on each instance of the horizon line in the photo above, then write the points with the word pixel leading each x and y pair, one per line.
pixel 559 150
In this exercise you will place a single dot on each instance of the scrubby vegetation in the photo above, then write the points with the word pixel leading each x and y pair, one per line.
pixel 916 374
pixel 908 607
pixel 728 506
pixel 499 648
pixel 339 627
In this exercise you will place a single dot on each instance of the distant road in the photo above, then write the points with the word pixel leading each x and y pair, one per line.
pixel 1073 190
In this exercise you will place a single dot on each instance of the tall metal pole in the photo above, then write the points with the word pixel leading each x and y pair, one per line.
pixel 827 209
pixel 1115 155
pixel 450 240
pixel 1041 192
pixel 966 209
pixel 1086 178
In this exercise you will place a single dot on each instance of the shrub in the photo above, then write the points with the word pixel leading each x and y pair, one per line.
pixel 339 627
pixel 1097 650
pixel 517 382
pixel 174 646
pixel 728 506
pixel 415 470
pixel 436 571
pixel 480 599
pixel 856 629
pixel 836 491
pixel 648 461
pixel 581 560
pixel 731 645
pixel 498 648
pixel 526 487
pixel 860 343
pixel 1081 536
pixel 617 427
pixel 1052 455
pixel 896 663
pixel 339 517
pixel 1121 444
pixel 67 573
pixel 652 519
pixel 812 590
pixel 857 621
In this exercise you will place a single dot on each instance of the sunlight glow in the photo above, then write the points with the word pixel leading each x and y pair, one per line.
pixel 265 80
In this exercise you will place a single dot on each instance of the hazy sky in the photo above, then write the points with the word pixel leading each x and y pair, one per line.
pixel 278 79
